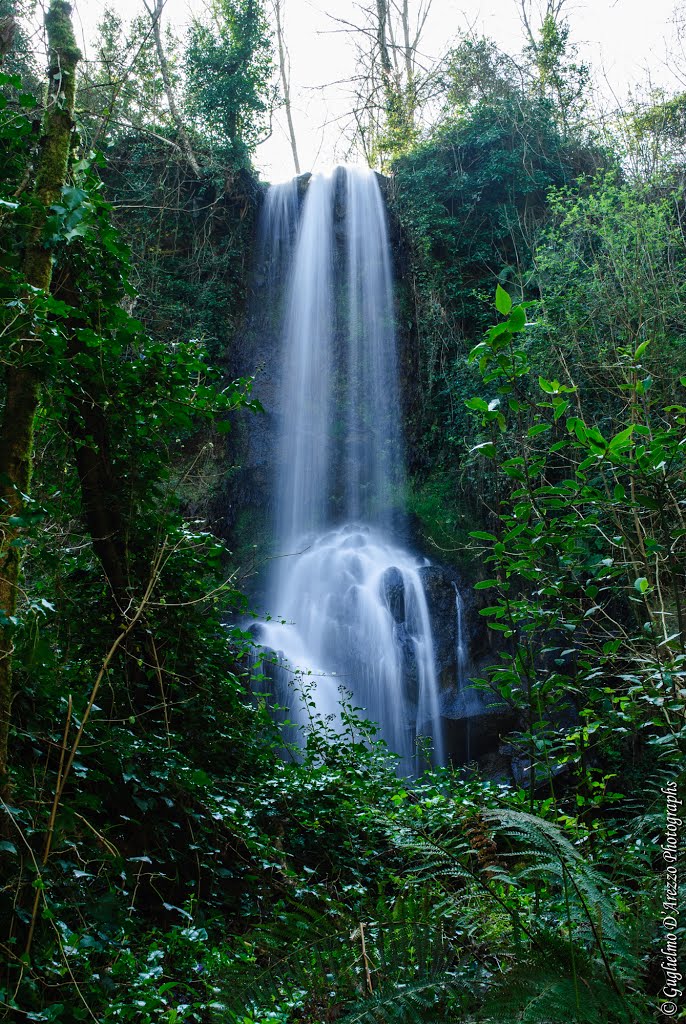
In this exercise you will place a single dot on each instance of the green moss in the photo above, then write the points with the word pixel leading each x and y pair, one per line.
pixel 61 36
pixel 443 526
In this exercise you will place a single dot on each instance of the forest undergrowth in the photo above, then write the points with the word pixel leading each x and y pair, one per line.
pixel 166 855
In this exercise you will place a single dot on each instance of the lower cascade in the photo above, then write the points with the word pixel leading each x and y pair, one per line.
pixel 347 605
pixel 356 616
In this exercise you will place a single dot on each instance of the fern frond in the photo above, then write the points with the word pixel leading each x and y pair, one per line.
pixel 409 1003
pixel 559 992
pixel 410 948
pixel 542 838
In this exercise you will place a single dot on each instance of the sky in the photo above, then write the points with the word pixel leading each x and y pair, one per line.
pixel 623 40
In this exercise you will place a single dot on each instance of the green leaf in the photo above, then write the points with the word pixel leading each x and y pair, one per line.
pixel 538 428
pixel 517 319
pixel 495 332
pixel 477 404
pixel 641 585
pixel 620 440
pixel 503 302
pixel 578 427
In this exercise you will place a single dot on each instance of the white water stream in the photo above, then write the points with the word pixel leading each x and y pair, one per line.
pixel 348 604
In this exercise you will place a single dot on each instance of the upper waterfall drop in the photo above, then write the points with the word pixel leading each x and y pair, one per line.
pixel 351 601
pixel 374 462
pixel 304 475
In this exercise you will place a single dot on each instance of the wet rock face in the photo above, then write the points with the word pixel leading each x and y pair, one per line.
pixel 410 669
pixel 474 721
pixel 394 592
pixel 438 582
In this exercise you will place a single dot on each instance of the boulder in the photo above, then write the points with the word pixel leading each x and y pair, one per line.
pixel 394 592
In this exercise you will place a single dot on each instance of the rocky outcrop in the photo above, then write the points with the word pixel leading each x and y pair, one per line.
pixel 474 719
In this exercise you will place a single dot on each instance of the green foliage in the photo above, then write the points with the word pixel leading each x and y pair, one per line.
pixel 558 75
pixel 433 501
pixel 120 90
pixel 545 991
pixel 20 59
pixel 588 566
pixel 655 132
pixel 135 617
pixel 228 69
pixel 611 270
pixel 478 72
pixel 469 896
pixel 473 200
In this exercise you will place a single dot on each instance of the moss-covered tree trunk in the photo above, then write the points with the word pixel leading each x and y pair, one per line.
pixel 22 377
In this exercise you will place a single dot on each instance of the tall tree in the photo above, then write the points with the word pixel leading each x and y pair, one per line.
pixel 285 75
pixel 22 377
pixel 393 80
pixel 557 73
pixel 229 68
pixel 165 70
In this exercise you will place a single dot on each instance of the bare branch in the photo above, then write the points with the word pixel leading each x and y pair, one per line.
pixel 156 17
pixel 284 69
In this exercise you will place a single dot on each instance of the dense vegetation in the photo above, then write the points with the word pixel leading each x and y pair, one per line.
pixel 164 857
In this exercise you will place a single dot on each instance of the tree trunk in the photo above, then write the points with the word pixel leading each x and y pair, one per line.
pixel 8 28
pixel 382 42
pixel 285 82
pixel 100 490
pixel 23 380
pixel 156 17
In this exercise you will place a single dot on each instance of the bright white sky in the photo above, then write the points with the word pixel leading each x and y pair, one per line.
pixel 624 40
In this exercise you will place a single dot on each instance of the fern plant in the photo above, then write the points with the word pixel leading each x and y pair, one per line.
pixel 553 989
pixel 495 916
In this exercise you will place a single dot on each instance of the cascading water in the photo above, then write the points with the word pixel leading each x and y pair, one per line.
pixel 469 701
pixel 461 656
pixel 276 234
pixel 374 470
pixel 352 610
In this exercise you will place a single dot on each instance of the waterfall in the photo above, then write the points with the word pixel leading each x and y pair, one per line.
pixel 276 234
pixel 461 657
pixel 469 700
pixel 374 468
pixel 303 478
pixel 348 604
